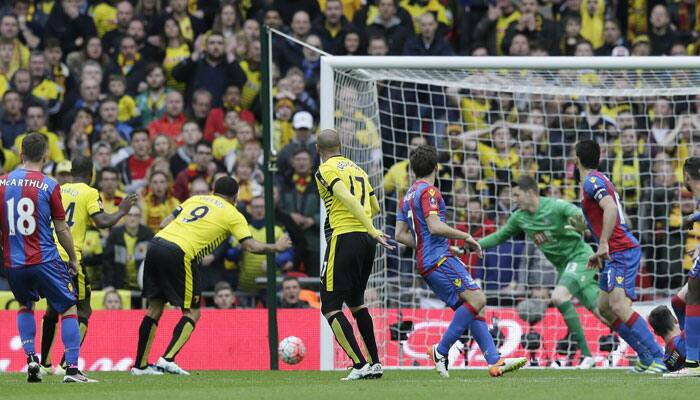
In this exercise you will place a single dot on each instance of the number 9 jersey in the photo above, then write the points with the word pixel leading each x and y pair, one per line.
pixel 30 201
pixel 202 223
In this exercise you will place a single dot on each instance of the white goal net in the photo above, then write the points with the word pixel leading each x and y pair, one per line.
pixel 493 120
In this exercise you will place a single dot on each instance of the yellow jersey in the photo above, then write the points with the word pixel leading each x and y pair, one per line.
pixel 154 214
pixel 104 15
pixel 223 145
pixel 252 85
pixel 55 151
pixel 340 169
pixel 127 109
pixel 202 223
pixel 173 56
pixel 81 202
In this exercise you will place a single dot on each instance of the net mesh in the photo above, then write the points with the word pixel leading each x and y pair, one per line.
pixel 490 127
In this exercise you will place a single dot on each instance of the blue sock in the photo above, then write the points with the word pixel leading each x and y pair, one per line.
pixel 639 328
pixel 27 330
pixel 462 318
pixel 70 335
pixel 483 337
pixel 626 334
pixel 692 333
pixel 678 306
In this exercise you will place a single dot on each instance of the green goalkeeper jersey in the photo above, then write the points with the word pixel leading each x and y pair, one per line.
pixel 547 229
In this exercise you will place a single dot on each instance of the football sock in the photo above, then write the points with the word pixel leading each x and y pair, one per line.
pixel 48 335
pixel 462 318
pixel 346 338
pixel 642 352
pixel 678 306
pixel 147 331
pixel 639 328
pixel 366 328
pixel 692 332
pixel 70 335
pixel 573 323
pixel 27 330
pixel 181 334
pixel 83 331
pixel 480 332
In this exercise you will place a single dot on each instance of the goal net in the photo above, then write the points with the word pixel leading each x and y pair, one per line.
pixel 492 121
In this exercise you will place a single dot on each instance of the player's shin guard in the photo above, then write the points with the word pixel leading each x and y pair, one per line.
pixel 70 335
pixel 678 306
pixel 83 324
pixel 147 331
pixel 692 332
pixel 27 330
pixel 573 323
pixel 181 334
pixel 48 336
pixel 346 338
pixel 366 328
pixel 461 320
pixel 625 333
pixel 480 332
pixel 640 329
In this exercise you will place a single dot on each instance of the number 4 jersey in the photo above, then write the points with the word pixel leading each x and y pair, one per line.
pixel 80 202
pixel 202 223
pixel 595 187
pixel 30 202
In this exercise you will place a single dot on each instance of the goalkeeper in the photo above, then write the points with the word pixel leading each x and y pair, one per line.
pixel 555 226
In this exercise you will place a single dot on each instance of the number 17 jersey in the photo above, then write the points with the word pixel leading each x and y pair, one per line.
pixel 30 202
pixel 202 223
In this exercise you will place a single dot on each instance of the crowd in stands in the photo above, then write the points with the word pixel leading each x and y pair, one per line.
pixel 163 95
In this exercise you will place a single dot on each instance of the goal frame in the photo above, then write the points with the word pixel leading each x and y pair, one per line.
pixel 327 84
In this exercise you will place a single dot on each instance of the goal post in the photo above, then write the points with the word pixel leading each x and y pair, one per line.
pixel 494 119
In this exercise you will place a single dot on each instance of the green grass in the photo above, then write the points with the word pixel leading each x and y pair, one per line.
pixel 404 385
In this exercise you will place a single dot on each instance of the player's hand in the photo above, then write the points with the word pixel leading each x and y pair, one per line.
pixel 472 246
pixel 72 267
pixel 283 243
pixel 383 239
pixel 576 223
pixel 456 250
pixel 127 203
pixel 597 259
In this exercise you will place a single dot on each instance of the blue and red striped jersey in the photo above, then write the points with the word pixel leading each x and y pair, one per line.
pixel 421 200
pixel 30 201
pixel 595 187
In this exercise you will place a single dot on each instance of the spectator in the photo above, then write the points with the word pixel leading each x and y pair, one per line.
pixel 299 197
pixel 62 172
pixel 158 202
pixel 303 100
pixel 476 224
pixel 288 54
pixel 249 187
pixel 572 35
pixel 209 69
pixel 534 26
pixel 630 171
pixel 179 11
pixel 378 46
pixel 12 122
pixel 427 43
pixel 164 147
pixel 9 32
pixel 224 298
pixel 42 87
pixel 92 50
pixel 290 294
pixel 227 143
pixel 120 147
pixel 612 38
pixel 128 63
pixel 7 69
pixel 387 24
pixel 592 21
pixel 201 105
pixel 353 43
pixel 133 169
pixel 252 265
pixel 151 102
pixel 36 122
pixel 200 187
pixel 101 155
pixel 109 114
pixel 184 155
pixel 492 29
pixel 227 21
pixel 124 251
pixel 67 24
pixel 177 50
pixel 31 25
pixel 331 26
pixel 126 105
pixel 22 83
pixel 172 120
pixel 110 194
pixel 305 137
pixel 112 39
pixel 200 168
pixel 216 124
pixel 112 300
pixel 149 11
pixel 289 9
pixel 251 68
pixel 661 35
pixel 89 99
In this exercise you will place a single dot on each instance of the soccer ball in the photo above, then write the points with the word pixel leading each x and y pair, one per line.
pixel 291 350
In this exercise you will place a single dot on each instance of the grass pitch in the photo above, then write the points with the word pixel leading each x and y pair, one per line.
pixel 404 385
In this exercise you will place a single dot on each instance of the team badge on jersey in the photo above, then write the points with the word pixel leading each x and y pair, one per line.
pixel 458 282
pixel 620 279
pixel 70 287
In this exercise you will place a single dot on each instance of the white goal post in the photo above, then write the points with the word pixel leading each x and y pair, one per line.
pixel 381 104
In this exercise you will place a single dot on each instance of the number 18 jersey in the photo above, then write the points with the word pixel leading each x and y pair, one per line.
pixel 202 223
pixel 30 202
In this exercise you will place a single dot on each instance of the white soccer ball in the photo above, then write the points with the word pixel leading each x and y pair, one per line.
pixel 291 350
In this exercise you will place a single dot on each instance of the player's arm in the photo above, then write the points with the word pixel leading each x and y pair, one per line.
pixel 403 234
pixel 573 215
pixel 106 220
pixel 510 229
pixel 374 203
pixel 341 192
pixel 439 228
pixel 66 241
pixel 610 215
pixel 253 246
pixel 171 217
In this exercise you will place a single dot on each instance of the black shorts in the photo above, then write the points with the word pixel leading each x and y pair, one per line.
pixel 169 275
pixel 346 269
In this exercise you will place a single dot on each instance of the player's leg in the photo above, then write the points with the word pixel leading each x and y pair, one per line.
pixel 678 304
pixel 181 334
pixel 147 332
pixel 561 298
pixel 692 319
pixel 48 335
pixel 84 310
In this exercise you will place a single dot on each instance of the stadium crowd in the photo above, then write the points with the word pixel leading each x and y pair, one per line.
pixel 164 96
